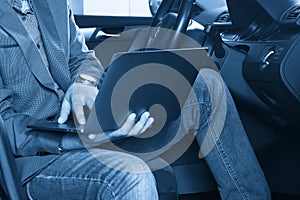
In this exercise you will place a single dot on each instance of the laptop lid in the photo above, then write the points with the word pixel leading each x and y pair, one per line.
pixel 157 81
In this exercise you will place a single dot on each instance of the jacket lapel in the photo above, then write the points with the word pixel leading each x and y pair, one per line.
pixel 57 60
pixel 10 22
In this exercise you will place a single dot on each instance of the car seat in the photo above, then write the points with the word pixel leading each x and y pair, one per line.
pixel 10 184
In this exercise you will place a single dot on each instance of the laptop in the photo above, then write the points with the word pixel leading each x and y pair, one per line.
pixel 157 81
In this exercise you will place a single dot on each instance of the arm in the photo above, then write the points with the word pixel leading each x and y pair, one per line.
pixel 81 59
pixel 82 63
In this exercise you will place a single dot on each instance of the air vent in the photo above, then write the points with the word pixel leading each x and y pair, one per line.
pixel 224 17
pixel 293 13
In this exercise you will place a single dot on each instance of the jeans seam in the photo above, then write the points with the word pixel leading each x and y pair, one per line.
pixel 196 103
pixel 27 191
pixel 227 165
pixel 79 178
pixel 192 103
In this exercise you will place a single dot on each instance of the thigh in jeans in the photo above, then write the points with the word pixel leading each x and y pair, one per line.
pixel 94 174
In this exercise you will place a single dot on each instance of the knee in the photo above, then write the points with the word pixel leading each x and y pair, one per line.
pixel 130 176
pixel 137 170
pixel 213 82
pixel 208 87
pixel 137 178
pixel 145 185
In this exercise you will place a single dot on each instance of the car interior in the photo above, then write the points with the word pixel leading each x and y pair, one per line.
pixel 254 44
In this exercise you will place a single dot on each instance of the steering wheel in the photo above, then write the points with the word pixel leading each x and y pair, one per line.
pixel 166 26
pixel 165 19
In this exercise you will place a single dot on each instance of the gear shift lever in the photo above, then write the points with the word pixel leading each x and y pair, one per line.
pixel 213 32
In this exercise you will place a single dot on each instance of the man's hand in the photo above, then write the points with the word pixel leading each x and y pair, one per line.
pixel 77 96
pixel 129 128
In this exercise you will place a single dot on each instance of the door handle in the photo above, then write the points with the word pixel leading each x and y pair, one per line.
pixel 101 33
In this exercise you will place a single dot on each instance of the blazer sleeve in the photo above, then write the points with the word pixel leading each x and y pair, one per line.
pixel 81 59
pixel 24 141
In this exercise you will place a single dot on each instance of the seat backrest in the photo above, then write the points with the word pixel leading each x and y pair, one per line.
pixel 10 185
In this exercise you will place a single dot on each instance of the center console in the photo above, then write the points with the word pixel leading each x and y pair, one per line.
pixel 263 45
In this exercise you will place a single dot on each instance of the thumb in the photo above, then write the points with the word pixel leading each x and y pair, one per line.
pixel 65 111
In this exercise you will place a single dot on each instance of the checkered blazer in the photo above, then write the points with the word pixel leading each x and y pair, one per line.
pixel 27 90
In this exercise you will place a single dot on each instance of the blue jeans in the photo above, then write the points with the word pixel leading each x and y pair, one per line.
pixel 80 175
pixel 231 160
pixel 209 114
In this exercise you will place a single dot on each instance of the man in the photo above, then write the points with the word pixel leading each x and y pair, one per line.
pixel 47 71
pixel 41 51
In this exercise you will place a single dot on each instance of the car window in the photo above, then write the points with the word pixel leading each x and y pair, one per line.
pixel 154 4
pixel 126 8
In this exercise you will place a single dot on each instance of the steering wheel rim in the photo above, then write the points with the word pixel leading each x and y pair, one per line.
pixel 163 9
pixel 183 14
pixel 166 28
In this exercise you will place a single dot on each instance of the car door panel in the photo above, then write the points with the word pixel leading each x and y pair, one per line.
pixel 98 29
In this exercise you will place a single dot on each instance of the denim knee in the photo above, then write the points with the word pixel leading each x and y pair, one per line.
pixel 133 179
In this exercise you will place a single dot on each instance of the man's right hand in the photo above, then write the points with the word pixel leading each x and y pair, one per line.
pixel 77 96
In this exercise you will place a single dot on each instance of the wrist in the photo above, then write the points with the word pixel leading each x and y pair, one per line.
pixel 87 80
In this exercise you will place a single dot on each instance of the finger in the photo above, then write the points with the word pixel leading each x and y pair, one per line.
pixel 90 103
pixel 64 112
pixel 140 124
pixel 90 99
pixel 78 111
pixel 129 123
pixel 145 116
pixel 148 124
